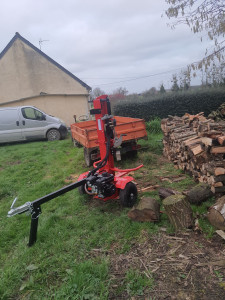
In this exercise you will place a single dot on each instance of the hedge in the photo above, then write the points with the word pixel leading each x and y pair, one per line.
pixel 175 104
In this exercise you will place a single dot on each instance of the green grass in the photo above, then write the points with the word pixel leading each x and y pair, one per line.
pixel 62 264
pixel 136 283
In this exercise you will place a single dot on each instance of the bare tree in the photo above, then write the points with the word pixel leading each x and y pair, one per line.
pixel 201 16
pixel 121 91
pixel 97 92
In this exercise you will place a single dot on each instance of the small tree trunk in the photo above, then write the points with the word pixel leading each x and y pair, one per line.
pixel 216 214
pixel 147 210
pixel 199 193
pixel 179 211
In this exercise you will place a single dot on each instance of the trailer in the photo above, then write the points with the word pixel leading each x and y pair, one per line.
pixel 130 130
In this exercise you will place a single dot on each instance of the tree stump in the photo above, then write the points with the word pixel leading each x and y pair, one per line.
pixel 216 214
pixel 166 192
pixel 199 193
pixel 147 210
pixel 179 211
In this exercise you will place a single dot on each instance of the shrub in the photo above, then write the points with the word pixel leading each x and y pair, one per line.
pixel 178 104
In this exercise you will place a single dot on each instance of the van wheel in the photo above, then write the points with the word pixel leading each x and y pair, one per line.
pixel 53 135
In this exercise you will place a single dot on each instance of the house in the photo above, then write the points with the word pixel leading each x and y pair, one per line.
pixel 30 77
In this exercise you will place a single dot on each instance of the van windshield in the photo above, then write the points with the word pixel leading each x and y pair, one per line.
pixel 32 114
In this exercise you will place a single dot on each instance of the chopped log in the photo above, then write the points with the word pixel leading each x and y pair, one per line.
pixel 221 233
pixel 220 189
pixel 218 178
pixel 199 193
pixel 221 140
pixel 207 141
pixel 216 214
pixel 197 150
pixel 218 184
pixel 166 192
pixel 179 211
pixel 219 171
pixel 147 210
pixel 191 141
pixel 216 150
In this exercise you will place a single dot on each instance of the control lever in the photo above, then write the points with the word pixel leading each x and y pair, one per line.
pixel 118 141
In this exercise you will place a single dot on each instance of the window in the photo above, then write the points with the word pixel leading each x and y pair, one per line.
pixel 32 114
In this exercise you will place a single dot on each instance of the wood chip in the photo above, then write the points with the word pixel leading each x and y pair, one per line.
pixel 221 233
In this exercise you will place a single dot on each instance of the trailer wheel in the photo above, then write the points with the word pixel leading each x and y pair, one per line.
pixel 87 157
pixel 128 196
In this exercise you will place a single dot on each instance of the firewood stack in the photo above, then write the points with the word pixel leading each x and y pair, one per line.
pixel 196 145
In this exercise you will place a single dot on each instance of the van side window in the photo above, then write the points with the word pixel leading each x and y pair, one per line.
pixel 32 114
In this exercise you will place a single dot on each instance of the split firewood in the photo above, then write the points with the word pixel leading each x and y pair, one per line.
pixel 147 210
pixel 221 233
pixel 220 189
pixel 197 149
pixel 199 193
pixel 221 140
pixel 216 214
pixel 197 146
pixel 179 211
pixel 207 141
pixel 166 192
pixel 150 187
pixel 215 150
pixel 219 171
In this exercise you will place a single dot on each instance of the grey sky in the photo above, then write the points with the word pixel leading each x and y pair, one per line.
pixel 106 41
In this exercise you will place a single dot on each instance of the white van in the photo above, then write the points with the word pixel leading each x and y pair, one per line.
pixel 29 123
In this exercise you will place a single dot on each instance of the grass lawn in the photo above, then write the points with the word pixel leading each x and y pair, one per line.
pixel 76 234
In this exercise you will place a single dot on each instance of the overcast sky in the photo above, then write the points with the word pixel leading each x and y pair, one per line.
pixel 105 43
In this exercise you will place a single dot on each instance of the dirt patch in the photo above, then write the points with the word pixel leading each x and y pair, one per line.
pixel 185 266
pixel 161 160
pixel 72 178
pixel 13 163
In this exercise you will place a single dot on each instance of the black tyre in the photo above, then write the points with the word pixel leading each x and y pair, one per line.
pixel 53 135
pixel 128 196
pixel 81 190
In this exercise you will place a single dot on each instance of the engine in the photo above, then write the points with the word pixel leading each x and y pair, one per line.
pixel 101 185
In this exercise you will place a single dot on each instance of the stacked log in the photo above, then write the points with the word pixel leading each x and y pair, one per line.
pixel 197 145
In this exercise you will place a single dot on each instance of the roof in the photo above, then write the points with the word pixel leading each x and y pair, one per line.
pixel 18 36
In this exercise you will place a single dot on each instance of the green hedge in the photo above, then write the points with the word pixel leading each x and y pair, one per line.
pixel 172 104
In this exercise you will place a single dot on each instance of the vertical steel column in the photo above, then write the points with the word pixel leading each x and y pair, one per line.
pixel 34 226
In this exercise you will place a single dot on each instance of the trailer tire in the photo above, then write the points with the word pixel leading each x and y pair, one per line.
pixel 128 196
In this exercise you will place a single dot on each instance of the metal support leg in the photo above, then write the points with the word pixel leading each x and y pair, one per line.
pixel 34 226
